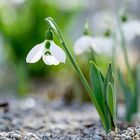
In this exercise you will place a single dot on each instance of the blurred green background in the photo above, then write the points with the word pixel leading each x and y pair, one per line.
pixel 22 26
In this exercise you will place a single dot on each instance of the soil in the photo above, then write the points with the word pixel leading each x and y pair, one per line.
pixel 30 119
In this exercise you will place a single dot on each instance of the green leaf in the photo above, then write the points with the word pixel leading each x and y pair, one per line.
pixel 109 79
pixel 97 84
pixel 109 75
pixel 129 97
pixel 106 81
pixel 122 82
pixel 111 106
pixel 110 96
pixel 110 99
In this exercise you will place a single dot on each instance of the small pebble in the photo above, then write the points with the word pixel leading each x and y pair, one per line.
pixel 137 129
pixel 130 131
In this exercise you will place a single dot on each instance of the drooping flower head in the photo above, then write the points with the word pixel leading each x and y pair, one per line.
pixel 50 53
pixel 131 29
pixel 98 44
pixel 84 43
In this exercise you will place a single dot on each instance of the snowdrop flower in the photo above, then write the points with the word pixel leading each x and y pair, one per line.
pixel 131 29
pixel 83 44
pixel 103 45
pixel 107 20
pixel 104 20
pixel 100 45
pixel 48 51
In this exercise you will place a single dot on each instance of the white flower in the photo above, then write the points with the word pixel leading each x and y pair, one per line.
pixel 107 20
pixel 83 44
pixel 131 29
pixel 51 56
pixel 103 45
pixel 104 20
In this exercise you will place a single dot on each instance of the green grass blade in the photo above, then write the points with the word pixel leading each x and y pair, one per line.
pixel 108 78
pixel 122 82
pixel 129 97
pixel 97 84
pixel 110 98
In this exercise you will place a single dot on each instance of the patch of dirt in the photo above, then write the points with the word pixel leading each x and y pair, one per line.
pixel 31 119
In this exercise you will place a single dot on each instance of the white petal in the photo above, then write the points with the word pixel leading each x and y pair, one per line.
pixel 50 60
pixel 57 52
pixel 82 44
pixel 104 20
pixel 35 53
pixel 104 45
pixel 131 29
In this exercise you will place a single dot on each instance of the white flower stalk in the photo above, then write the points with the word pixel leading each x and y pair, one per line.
pixel 52 55
pixel 83 44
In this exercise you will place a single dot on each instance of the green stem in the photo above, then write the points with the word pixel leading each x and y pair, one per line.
pixel 130 76
pixel 124 50
pixel 114 52
pixel 137 86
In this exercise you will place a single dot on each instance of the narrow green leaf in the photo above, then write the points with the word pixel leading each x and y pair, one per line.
pixel 110 98
pixel 97 84
pixel 114 99
pixel 129 99
pixel 109 78
pixel 122 81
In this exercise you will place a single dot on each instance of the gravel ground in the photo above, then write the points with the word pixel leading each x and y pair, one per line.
pixel 29 119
